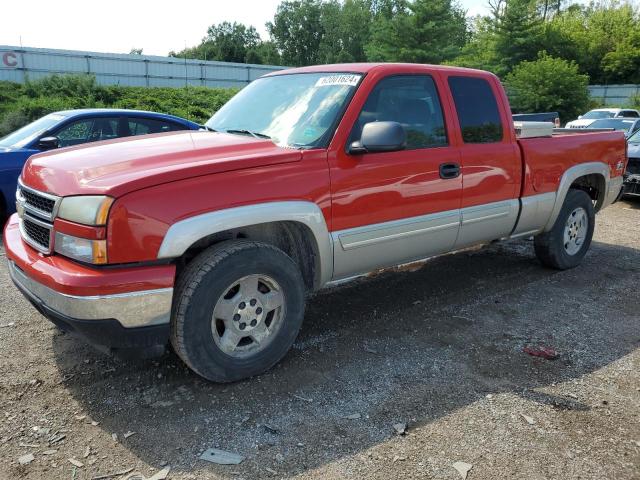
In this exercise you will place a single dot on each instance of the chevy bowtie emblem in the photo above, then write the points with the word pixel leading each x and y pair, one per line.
pixel 620 165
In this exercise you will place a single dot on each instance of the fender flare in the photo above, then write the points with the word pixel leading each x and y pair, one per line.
pixel 570 176
pixel 184 233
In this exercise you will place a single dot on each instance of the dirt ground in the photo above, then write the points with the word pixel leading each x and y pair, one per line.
pixel 439 348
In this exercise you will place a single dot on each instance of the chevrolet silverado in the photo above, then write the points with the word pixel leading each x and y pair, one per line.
pixel 210 241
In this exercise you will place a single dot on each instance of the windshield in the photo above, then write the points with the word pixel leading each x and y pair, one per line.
pixel 622 125
pixel 22 137
pixel 295 110
pixel 597 114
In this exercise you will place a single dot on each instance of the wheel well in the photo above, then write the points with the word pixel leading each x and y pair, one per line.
pixel 293 238
pixel 594 185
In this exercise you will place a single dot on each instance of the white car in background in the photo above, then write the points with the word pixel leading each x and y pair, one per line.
pixel 584 121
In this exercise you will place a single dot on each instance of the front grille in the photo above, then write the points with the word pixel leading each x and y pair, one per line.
pixel 39 202
pixel 36 234
pixel 633 167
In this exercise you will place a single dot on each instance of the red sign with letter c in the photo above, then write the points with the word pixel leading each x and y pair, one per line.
pixel 10 59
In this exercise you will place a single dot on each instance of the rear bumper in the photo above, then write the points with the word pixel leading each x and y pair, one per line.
pixel 614 191
pixel 110 307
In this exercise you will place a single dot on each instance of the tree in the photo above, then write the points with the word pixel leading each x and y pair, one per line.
pixel 422 31
pixel 231 42
pixel 136 51
pixel 297 31
pixel 603 38
pixel 518 34
pixel 321 31
pixel 548 84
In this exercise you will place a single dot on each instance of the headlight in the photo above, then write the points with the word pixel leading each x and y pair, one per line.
pixel 81 249
pixel 86 209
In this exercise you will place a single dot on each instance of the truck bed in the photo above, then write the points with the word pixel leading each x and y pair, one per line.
pixel 547 158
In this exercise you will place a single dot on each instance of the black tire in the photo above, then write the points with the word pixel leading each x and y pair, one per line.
pixel 205 280
pixel 550 247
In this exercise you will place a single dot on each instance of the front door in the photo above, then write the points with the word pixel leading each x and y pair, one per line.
pixel 395 207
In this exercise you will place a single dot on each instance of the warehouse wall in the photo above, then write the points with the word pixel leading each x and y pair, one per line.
pixel 19 63
pixel 614 94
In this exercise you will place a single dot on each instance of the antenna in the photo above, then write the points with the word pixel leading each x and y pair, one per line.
pixel 185 64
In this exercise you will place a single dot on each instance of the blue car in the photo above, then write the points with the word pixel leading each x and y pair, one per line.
pixel 73 127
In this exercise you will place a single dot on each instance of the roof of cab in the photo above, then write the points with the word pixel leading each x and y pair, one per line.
pixel 367 67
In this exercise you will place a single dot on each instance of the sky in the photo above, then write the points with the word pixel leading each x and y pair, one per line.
pixel 117 26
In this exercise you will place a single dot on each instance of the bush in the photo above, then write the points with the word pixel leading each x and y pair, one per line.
pixel 21 104
pixel 548 84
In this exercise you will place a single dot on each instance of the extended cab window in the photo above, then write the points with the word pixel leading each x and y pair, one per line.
pixel 477 110
pixel 412 101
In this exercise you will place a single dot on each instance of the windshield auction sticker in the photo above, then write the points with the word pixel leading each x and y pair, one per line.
pixel 342 79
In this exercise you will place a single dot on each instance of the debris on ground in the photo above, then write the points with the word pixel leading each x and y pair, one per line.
pixel 221 457
pixel 353 416
pixel 271 471
pixel 528 419
pixel 75 462
pixel 128 434
pixel 113 475
pixel 6 325
pixel 57 438
pixel 541 351
pixel 400 428
pixel 304 399
pixel 26 459
pixel 368 349
pixel 270 429
pixel 463 469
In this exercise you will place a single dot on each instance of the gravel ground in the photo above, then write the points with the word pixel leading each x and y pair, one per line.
pixel 438 347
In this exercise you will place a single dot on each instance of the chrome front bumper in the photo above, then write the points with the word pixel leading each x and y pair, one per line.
pixel 134 309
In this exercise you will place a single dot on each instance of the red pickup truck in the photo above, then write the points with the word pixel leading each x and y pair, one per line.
pixel 211 240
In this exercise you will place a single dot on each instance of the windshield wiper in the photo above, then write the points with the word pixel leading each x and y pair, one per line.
pixel 248 132
pixel 207 127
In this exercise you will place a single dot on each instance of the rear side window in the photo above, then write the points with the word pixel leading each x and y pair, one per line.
pixel 477 109
pixel 630 114
pixel 144 126
pixel 412 101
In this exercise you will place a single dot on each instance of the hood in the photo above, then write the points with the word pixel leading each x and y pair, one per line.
pixel 117 167
pixel 585 122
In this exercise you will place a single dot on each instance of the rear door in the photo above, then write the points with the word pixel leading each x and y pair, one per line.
pixel 394 207
pixel 490 157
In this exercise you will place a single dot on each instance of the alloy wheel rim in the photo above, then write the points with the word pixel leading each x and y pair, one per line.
pixel 575 231
pixel 248 315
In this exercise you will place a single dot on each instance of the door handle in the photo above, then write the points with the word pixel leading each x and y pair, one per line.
pixel 449 170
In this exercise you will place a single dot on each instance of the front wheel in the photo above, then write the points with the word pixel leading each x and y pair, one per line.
pixel 238 309
pixel 566 244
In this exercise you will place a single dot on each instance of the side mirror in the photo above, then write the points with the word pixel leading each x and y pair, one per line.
pixel 48 143
pixel 380 137
pixel 579 117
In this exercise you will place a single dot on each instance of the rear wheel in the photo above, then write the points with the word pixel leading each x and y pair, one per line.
pixel 238 309
pixel 566 244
